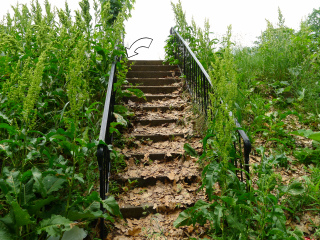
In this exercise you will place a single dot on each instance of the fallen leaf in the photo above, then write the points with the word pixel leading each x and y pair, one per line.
pixel 134 232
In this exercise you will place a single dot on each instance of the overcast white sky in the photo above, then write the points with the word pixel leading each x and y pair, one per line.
pixel 153 18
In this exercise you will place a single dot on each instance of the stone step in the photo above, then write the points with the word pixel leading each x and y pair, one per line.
pixel 150 98
pixel 153 81
pixel 157 137
pixel 155 89
pixel 153 68
pixel 151 74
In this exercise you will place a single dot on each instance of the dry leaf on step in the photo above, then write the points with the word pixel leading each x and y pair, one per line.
pixel 134 232
pixel 171 176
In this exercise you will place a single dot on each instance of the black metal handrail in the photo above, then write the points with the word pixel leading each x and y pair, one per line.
pixel 199 85
pixel 105 139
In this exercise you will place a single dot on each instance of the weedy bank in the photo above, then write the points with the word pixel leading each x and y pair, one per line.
pixel 272 89
pixel 53 78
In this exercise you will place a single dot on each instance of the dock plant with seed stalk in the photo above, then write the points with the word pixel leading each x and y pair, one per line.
pixel 53 78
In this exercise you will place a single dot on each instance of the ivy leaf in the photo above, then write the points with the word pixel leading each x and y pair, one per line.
pixel 55 225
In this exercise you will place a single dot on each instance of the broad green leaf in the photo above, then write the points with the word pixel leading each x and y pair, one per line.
pixel 184 219
pixel 39 186
pixel 12 180
pixel 21 216
pixel 137 92
pixel 112 206
pixel 234 222
pixel 218 214
pixel 38 204
pixel 296 188
pixel 52 183
pixel 74 233
pixel 4 117
pixel 205 140
pixel 8 127
pixel 211 177
pixel 5 233
pixel 120 119
pixel 190 150
pixel 200 204
pixel 303 132
pixel 55 225
pixel 229 200
pixel 315 136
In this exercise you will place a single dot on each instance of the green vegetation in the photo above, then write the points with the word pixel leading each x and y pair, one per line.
pixel 53 81
pixel 273 90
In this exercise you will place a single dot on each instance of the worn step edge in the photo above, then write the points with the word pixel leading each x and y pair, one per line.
pixel 154 122
pixel 157 137
pixel 153 81
pixel 129 211
pixel 154 67
pixel 158 108
pixel 155 89
pixel 155 156
pixel 147 62
pixel 149 98
pixel 150 74
pixel 151 181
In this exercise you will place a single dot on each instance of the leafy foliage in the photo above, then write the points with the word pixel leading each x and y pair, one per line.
pixel 53 78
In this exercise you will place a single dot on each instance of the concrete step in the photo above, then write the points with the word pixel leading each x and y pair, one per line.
pixel 153 81
pixel 154 122
pixel 157 137
pixel 150 98
pixel 162 108
pixel 164 171
pixel 153 68
pixel 163 197
pixel 146 62
pixel 151 74
pixel 161 156
pixel 155 89
pixel 154 226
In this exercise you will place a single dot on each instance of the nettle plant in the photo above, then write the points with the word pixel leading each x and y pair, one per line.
pixel 53 77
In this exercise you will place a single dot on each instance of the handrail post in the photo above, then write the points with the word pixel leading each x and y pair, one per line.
pixel 100 158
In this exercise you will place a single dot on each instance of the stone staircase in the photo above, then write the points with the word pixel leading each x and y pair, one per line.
pixel 160 180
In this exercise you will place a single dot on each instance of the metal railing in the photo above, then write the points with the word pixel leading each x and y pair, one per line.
pixel 199 86
pixel 103 150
